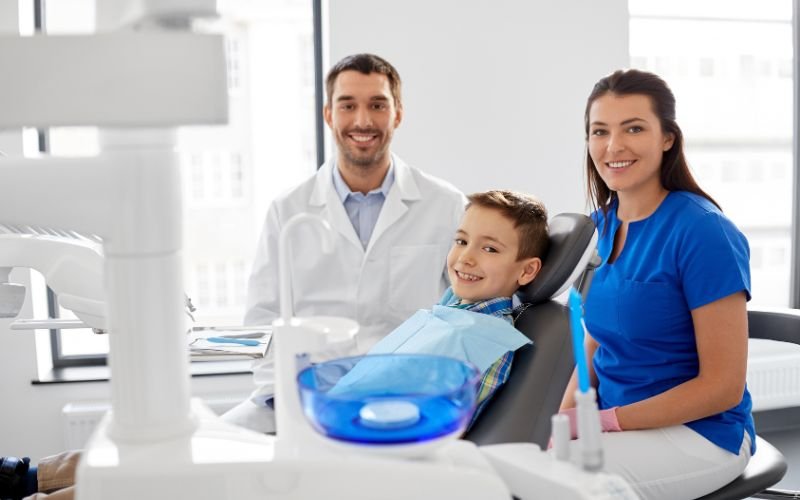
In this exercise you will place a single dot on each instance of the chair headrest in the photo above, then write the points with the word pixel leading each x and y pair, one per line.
pixel 573 239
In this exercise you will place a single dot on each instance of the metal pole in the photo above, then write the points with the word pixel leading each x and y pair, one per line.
pixel 794 282
pixel 319 89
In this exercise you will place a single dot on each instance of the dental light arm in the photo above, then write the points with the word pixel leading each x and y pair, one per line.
pixel 71 265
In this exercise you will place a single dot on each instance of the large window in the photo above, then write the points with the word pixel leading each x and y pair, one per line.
pixel 231 173
pixel 729 63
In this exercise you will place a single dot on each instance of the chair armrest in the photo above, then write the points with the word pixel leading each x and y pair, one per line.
pixel 774 323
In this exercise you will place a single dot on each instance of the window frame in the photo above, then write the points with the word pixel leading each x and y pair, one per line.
pixel 794 279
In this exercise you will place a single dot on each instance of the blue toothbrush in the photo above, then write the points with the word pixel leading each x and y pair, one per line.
pixel 576 326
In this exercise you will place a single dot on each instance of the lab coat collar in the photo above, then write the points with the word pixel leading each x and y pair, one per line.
pixel 403 191
pixel 327 199
pixel 343 190
pixel 404 183
pixel 324 195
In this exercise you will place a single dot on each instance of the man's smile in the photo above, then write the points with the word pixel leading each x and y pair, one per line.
pixel 363 138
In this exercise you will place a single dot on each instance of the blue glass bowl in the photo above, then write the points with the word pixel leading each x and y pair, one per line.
pixel 389 398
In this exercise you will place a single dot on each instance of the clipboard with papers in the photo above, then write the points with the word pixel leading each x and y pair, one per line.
pixel 228 343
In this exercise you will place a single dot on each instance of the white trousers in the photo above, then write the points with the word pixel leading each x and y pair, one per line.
pixel 672 463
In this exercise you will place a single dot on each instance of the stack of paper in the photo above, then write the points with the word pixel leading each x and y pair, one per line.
pixel 226 343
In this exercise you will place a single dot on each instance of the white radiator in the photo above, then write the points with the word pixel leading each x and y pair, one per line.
pixel 81 418
pixel 773 374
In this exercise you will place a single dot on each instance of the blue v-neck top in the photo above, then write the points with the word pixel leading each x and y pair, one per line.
pixel 685 255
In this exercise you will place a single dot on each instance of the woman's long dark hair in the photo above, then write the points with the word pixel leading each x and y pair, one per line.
pixel 675 173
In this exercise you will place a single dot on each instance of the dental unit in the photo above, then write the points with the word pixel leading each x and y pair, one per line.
pixel 157 442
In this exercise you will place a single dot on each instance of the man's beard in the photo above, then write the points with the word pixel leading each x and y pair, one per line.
pixel 356 158
pixel 362 162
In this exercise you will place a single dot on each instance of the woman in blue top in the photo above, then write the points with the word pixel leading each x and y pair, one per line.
pixel 666 313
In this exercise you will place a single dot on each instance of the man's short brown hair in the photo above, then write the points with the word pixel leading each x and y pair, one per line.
pixel 365 64
pixel 528 215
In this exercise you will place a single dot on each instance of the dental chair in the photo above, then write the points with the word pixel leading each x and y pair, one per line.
pixel 521 409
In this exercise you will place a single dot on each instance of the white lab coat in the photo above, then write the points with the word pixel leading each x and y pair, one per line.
pixel 402 269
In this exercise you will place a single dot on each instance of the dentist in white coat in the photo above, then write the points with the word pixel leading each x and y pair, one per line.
pixel 394 226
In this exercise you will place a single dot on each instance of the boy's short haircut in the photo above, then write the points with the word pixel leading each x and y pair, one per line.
pixel 364 64
pixel 526 212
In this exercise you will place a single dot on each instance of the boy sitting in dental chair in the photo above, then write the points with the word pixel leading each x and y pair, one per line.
pixel 498 247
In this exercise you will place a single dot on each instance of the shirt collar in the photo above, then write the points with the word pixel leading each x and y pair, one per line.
pixel 498 306
pixel 343 191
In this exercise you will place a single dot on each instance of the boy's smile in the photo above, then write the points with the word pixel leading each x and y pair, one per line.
pixel 482 263
pixel 468 277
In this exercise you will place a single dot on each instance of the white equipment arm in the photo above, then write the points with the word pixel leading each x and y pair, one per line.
pixel 71 265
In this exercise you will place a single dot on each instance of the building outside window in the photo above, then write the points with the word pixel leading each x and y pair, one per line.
pixel 729 63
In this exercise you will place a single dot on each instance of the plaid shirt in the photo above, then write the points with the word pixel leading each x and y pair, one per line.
pixel 497 374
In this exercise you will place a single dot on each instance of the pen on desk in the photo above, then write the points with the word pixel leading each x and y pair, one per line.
pixel 244 335
pixel 231 340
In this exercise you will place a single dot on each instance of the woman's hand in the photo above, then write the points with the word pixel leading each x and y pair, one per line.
pixel 608 420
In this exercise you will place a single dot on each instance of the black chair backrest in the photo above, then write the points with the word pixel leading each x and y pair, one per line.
pixel 520 411
pixel 571 247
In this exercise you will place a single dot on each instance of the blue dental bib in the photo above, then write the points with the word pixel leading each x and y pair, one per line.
pixel 480 339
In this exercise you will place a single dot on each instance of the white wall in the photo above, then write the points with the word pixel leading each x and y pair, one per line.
pixel 494 90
